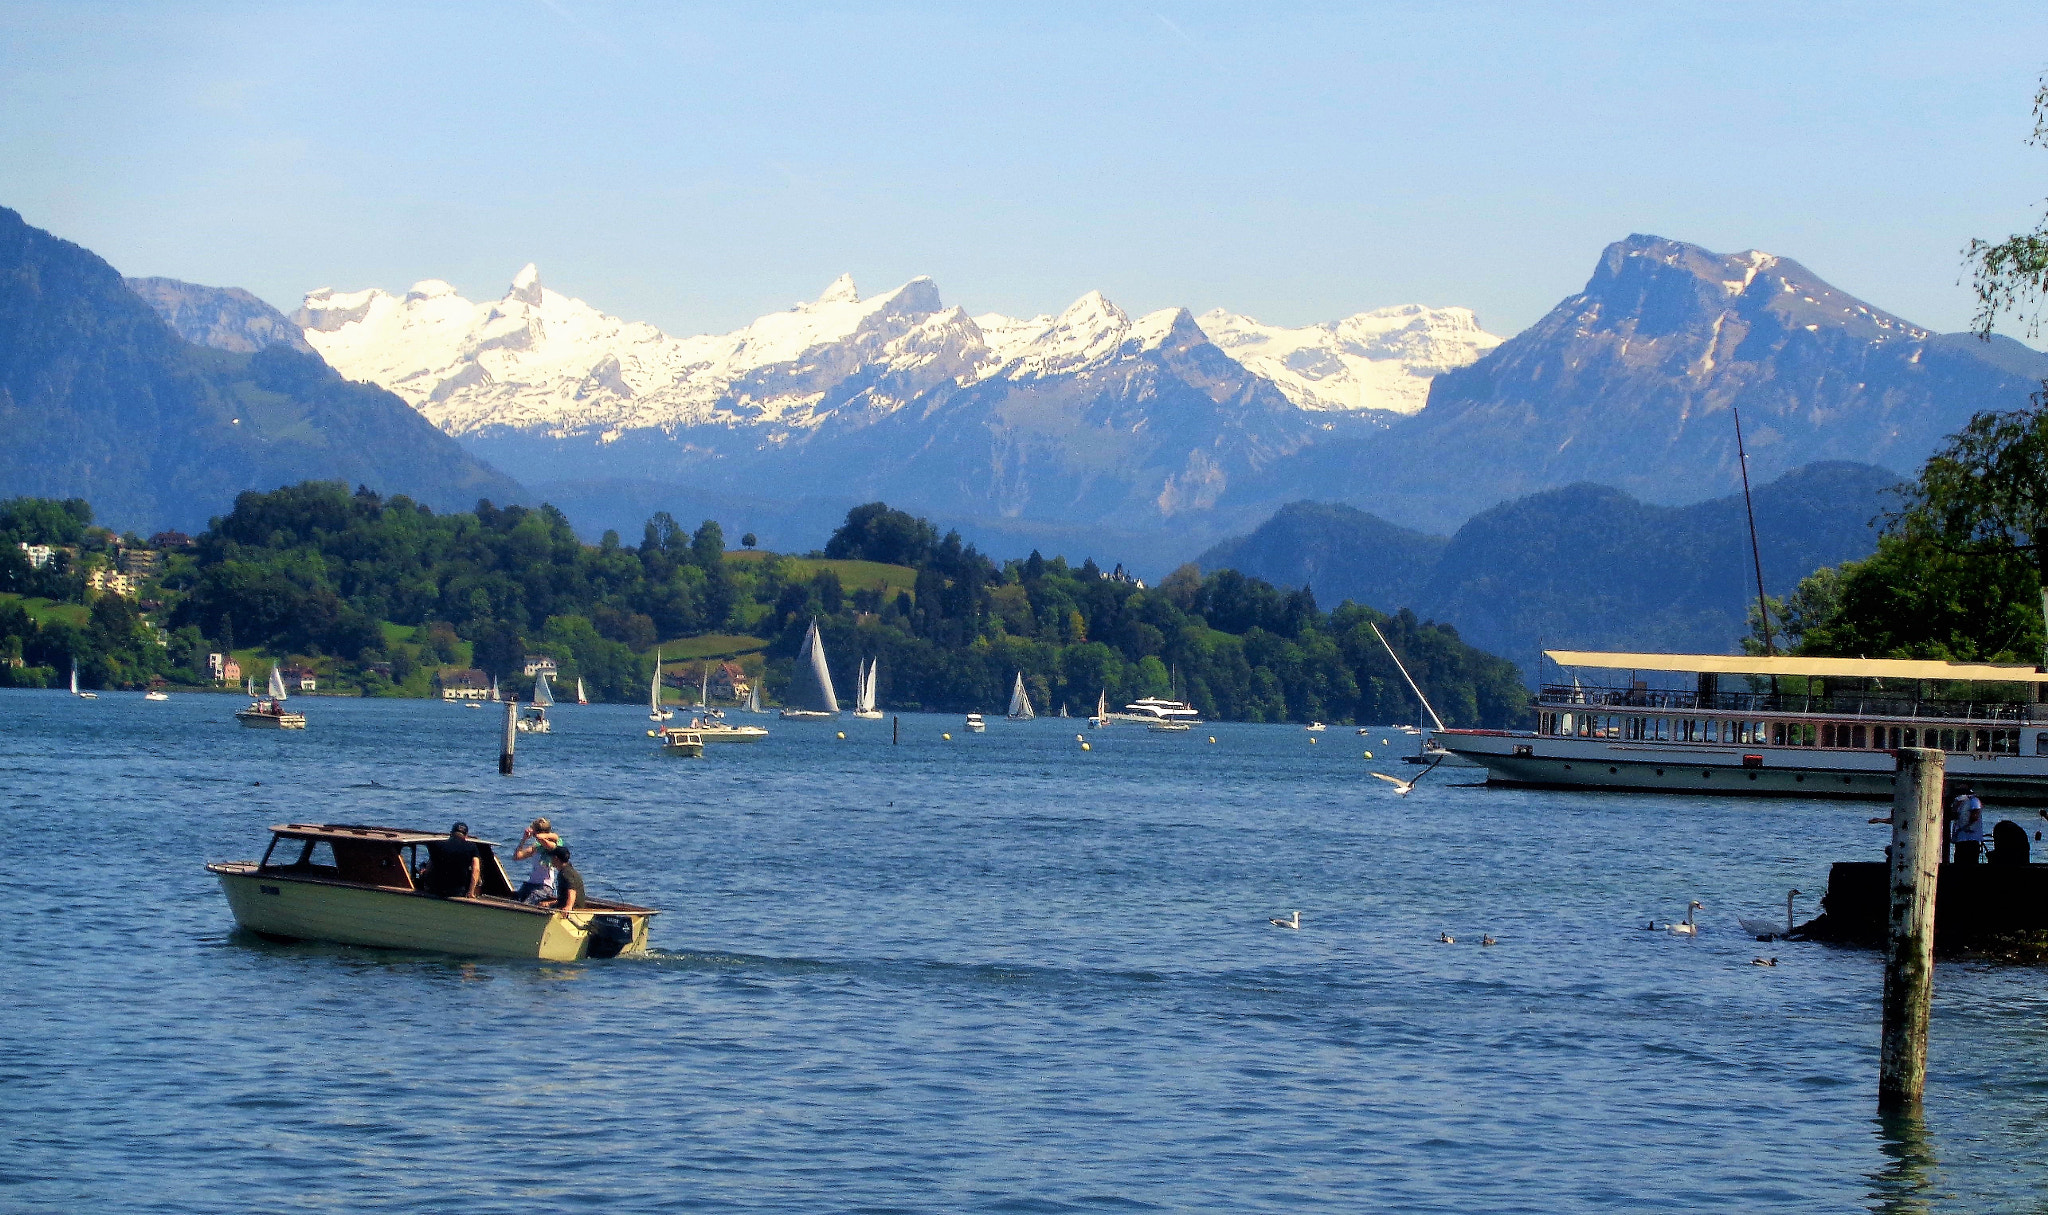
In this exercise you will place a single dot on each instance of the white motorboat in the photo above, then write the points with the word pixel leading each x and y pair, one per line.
pixel 974 724
pixel 1149 709
pixel 864 700
pixel 1020 701
pixel 268 712
pixel 533 719
pixel 680 740
pixel 711 729
pixel 1315 727
pixel 155 695
pixel 811 697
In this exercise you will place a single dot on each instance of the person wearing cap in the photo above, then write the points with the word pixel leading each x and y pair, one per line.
pixel 539 842
pixel 454 866
pixel 567 881
pixel 1969 820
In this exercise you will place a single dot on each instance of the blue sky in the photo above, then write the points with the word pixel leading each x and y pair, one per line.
pixel 696 167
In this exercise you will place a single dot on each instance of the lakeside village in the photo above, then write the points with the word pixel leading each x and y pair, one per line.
pixel 353 594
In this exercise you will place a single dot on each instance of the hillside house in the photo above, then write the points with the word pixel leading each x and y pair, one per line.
pixel 471 684
pixel 305 679
pixel 729 682
pixel 39 555
pixel 539 664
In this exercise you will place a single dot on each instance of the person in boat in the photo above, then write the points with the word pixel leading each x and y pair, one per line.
pixel 1969 827
pixel 454 867
pixel 539 841
pixel 568 882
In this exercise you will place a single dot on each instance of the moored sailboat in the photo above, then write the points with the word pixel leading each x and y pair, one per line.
pixel 654 710
pixel 813 698
pixel 864 700
pixel 1020 701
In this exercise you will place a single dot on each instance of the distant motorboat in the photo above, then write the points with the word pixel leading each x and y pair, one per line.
pixel 711 729
pixel 974 724
pixel 1020 701
pixel 155 695
pixel 678 740
pixel 268 712
pixel 1315 727
pixel 864 700
pixel 812 698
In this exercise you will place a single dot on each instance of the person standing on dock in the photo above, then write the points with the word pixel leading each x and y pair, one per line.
pixel 1968 813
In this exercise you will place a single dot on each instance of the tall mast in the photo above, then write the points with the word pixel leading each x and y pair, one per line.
pixel 1755 555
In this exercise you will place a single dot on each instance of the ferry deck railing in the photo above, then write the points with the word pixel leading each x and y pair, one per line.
pixel 1767 703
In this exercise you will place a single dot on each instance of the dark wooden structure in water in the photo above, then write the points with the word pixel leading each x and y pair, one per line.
pixel 1975 905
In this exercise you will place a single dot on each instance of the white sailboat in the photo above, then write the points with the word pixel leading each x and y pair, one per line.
pixel 1101 717
pixel 812 696
pixel 1020 701
pixel 704 686
pixel 495 698
pixel 581 698
pixel 74 684
pixel 654 710
pixel 754 699
pixel 864 702
pixel 534 718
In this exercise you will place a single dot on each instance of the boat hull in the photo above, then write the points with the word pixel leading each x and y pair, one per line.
pixel 347 914
pixel 1754 771
pixel 272 721
pixel 808 715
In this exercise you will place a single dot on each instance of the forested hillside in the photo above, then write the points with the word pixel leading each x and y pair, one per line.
pixel 382 590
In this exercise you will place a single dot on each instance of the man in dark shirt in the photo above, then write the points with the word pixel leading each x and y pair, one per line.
pixel 568 882
pixel 454 866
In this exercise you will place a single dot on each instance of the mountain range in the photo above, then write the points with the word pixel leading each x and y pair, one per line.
pixel 101 399
pixel 1584 566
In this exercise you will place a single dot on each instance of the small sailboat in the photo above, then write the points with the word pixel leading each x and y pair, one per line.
pixel 533 719
pixel 495 698
pixel 754 699
pixel 812 695
pixel 1020 701
pixel 268 712
pixel 581 697
pixel 654 710
pixel 1101 717
pixel 1063 708
pixel 864 700
pixel 74 684
pixel 704 686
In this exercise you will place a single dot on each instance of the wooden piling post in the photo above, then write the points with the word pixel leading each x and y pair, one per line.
pixel 1909 942
pixel 511 732
pixel 895 731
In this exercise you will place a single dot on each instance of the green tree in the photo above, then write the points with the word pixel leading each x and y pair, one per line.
pixel 2011 275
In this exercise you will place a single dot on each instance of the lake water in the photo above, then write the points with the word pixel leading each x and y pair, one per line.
pixel 991 974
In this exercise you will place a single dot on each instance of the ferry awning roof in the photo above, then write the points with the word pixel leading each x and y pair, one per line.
pixel 1832 668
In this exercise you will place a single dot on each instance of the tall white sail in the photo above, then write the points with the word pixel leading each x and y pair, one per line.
pixel 276 684
pixel 543 695
pixel 813 680
pixel 74 677
pixel 864 702
pixel 1020 701
pixel 754 698
pixel 494 689
pixel 654 689
pixel 704 685
pixel 581 697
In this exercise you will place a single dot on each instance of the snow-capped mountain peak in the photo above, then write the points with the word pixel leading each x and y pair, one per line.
pixel 839 291
pixel 1378 360
pixel 526 286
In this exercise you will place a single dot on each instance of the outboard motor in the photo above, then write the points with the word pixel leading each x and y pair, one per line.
pixel 609 934
pixel 2008 843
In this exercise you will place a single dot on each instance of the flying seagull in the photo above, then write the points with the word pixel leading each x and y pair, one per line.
pixel 1404 787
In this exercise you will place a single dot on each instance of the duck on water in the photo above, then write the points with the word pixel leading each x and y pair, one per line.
pixel 360 885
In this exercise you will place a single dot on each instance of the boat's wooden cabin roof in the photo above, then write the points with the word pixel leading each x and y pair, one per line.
pixel 357 833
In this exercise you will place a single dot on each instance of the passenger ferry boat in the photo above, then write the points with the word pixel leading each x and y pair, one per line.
pixel 355 885
pixel 1806 727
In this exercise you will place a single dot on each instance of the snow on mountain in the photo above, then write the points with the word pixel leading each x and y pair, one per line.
pixel 1378 360
pixel 536 361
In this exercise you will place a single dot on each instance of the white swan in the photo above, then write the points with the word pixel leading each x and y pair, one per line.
pixel 1293 921
pixel 1768 930
pixel 1686 927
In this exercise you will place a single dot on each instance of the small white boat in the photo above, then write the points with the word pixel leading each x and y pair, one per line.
pixel 358 886
pixel 155 695
pixel 1101 717
pixel 812 697
pixel 268 712
pixel 712 730
pixel 581 698
pixel 864 700
pixel 753 704
pixel 654 710
pixel 1020 701
pixel 1315 727
pixel 533 719
pixel 975 725
pixel 74 685
pixel 680 740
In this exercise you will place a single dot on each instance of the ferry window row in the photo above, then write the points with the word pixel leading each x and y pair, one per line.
pixel 1832 734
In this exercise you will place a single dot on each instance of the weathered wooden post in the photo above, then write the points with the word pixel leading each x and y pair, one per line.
pixel 895 731
pixel 1909 943
pixel 511 732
